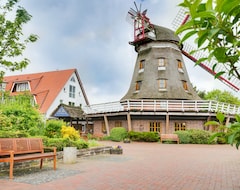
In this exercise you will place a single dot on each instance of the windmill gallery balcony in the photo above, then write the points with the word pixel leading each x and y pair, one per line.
pixel 183 106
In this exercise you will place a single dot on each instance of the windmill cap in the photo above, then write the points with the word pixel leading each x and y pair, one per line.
pixel 165 34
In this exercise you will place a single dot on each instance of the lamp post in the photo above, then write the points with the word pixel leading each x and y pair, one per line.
pixel 2 88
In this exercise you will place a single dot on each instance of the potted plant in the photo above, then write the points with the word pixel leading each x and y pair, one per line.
pixel 70 134
pixel 116 150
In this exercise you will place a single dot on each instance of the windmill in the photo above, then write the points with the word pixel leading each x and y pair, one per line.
pixel 160 71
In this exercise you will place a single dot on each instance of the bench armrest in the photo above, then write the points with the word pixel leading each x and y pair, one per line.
pixel 51 148
pixel 6 152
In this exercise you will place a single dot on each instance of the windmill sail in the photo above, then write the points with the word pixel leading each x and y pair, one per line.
pixel 233 82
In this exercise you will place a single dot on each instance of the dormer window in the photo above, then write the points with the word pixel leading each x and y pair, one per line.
pixel 161 63
pixel 141 66
pixel 20 87
pixel 180 66
pixel 72 79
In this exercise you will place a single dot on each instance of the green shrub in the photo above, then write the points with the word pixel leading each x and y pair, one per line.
pixel 199 136
pixel 150 136
pixel 143 136
pixel 65 142
pixel 53 128
pixel 93 143
pixel 13 134
pixel 134 136
pixel 106 138
pixel 55 142
pixel 184 137
pixel 118 134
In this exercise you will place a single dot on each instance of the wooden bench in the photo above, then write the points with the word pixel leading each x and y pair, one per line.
pixel 169 137
pixel 22 149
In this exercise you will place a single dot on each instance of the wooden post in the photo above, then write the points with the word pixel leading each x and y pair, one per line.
pixel 129 122
pixel 167 124
pixel 106 124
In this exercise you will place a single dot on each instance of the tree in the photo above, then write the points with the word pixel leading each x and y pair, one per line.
pixel 216 25
pixel 222 96
pixel 12 40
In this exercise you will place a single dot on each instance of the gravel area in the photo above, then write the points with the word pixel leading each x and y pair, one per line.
pixel 38 176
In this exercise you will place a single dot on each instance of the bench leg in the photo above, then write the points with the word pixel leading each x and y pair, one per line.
pixel 11 169
pixel 41 163
pixel 55 162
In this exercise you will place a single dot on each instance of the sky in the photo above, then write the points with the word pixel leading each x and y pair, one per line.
pixel 92 36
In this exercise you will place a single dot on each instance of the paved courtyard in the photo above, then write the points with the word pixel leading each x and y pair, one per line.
pixel 142 166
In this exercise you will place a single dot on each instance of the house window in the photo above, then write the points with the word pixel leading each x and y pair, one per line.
pixel 20 87
pixel 161 63
pixel 72 90
pixel 154 126
pixel 138 85
pixel 180 66
pixel 162 84
pixel 141 66
pixel 185 85
pixel 180 126
pixel 118 124
pixel 104 129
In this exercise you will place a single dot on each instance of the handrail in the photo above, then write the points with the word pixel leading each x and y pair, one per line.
pixel 163 106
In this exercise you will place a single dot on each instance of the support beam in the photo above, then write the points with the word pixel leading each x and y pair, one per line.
pixel 129 122
pixel 106 124
pixel 167 124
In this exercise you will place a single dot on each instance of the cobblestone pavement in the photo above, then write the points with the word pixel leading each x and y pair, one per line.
pixel 142 166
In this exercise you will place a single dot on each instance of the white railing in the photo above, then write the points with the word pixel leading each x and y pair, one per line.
pixel 164 106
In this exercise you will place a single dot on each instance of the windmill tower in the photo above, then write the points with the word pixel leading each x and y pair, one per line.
pixel 159 72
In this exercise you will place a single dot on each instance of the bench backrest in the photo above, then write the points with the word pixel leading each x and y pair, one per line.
pixel 21 145
pixel 165 136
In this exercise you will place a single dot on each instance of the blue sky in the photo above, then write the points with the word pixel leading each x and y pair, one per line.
pixel 92 36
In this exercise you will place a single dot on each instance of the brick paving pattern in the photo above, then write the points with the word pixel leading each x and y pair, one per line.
pixel 143 166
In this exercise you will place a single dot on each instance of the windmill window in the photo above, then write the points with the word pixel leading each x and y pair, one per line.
pixel 180 66
pixel 20 87
pixel 185 85
pixel 161 63
pixel 138 85
pixel 179 126
pixel 162 84
pixel 154 126
pixel 72 91
pixel 141 66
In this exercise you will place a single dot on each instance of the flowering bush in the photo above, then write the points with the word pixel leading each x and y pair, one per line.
pixel 70 132
pixel 117 147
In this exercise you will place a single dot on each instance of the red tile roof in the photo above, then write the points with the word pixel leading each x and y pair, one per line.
pixel 44 86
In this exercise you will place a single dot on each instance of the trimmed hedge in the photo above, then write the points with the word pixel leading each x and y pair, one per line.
pixel 194 136
pixel 143 136
pixel 65 142
pixel 118 134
